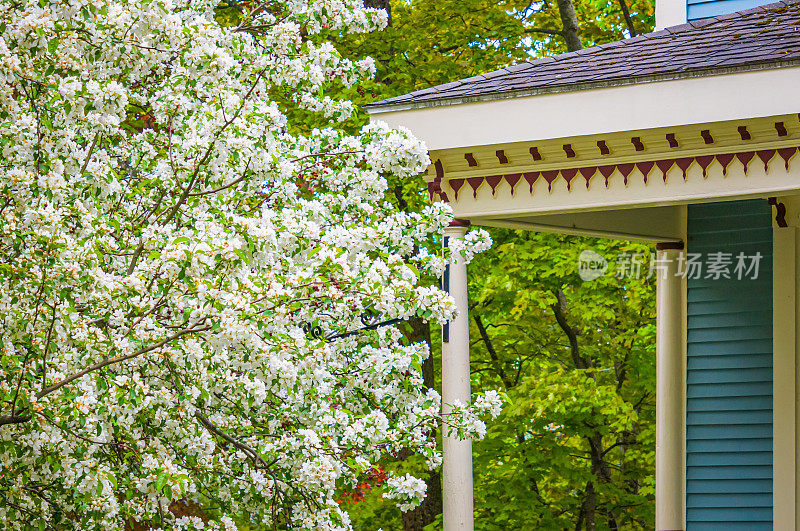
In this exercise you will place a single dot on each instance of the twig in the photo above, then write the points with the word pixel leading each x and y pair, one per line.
pixel 89 153
pixel 110 361
pixel 247 449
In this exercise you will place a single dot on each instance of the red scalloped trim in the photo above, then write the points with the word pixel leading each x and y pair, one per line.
pixel 645 167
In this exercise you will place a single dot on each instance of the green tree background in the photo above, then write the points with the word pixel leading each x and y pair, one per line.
pixel 574 447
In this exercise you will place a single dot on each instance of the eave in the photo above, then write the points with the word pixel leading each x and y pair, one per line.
pixel 604 110
pixel 381 108
pixel 616 161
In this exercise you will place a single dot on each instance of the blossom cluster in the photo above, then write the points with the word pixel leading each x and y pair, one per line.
pixel 465 249
pixel 167 237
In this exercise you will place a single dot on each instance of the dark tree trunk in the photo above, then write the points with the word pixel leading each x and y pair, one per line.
pixel 628 20
pixel 570 24
pixel 589 506
pixel 431 506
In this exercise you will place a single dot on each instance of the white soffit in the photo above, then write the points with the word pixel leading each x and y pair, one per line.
pixel 608 109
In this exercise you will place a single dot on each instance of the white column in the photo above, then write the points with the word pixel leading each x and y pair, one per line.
pixel 457 465
pixel 670 400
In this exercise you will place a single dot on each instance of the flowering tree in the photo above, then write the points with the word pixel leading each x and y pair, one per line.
pixel 184 275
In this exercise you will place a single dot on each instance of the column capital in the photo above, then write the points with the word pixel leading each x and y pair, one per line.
pixel 457 228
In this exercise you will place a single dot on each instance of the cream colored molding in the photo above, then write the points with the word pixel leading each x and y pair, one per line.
pixel 715 98
pixel 683 217
pixel 725 137
pixel 716 186
pixel 785 284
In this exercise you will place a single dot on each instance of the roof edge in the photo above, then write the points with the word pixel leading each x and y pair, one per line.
pixel 378 108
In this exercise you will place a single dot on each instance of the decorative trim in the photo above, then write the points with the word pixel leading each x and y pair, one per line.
pixel 665 166
pixel 767 156
pixel 493 181
pixel 745 157
pixel 512 180
pixel 673 142
pixel 470 158
pixel 460 223
pixel 435 186
pixel 501 156
pixel 743 132
pixel 725 160
pixel 780 212
pixel 665 246
pixel 704 161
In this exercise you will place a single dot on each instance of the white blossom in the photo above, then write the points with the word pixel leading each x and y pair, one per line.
pixel 179 273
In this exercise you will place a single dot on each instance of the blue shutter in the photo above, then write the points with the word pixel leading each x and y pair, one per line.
pixel 697 9
pixel 729 374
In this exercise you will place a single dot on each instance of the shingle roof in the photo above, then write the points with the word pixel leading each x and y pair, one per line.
pixel 756 37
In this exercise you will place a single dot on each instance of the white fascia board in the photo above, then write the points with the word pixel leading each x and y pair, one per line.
pixel 631 107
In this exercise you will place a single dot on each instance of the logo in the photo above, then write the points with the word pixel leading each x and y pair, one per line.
pixel 591 265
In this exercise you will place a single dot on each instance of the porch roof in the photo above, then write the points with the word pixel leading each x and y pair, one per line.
pixel 761 38
pixel 615 140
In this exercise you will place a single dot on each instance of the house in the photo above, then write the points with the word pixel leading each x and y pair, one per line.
pixel 687 138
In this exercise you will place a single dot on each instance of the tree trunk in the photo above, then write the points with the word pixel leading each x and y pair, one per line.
pixel 628 20
pixel 431 506
pixel 570 24
pixel 589 506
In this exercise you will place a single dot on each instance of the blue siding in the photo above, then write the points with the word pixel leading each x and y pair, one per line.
pixel 697 9
pixel 729 374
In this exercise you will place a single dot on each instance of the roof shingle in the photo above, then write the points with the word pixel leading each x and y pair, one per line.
pixel 758 36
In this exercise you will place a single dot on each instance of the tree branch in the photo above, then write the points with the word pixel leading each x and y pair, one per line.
pixel 110 361
pixel 173 211
pixel 560 312
pixel 247 449
pixel 89 153
pixel 498 367
pixel 13 419
pixel 224 186
pixel 545 31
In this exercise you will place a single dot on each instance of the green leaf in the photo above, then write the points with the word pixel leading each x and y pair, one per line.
pixel 161 480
